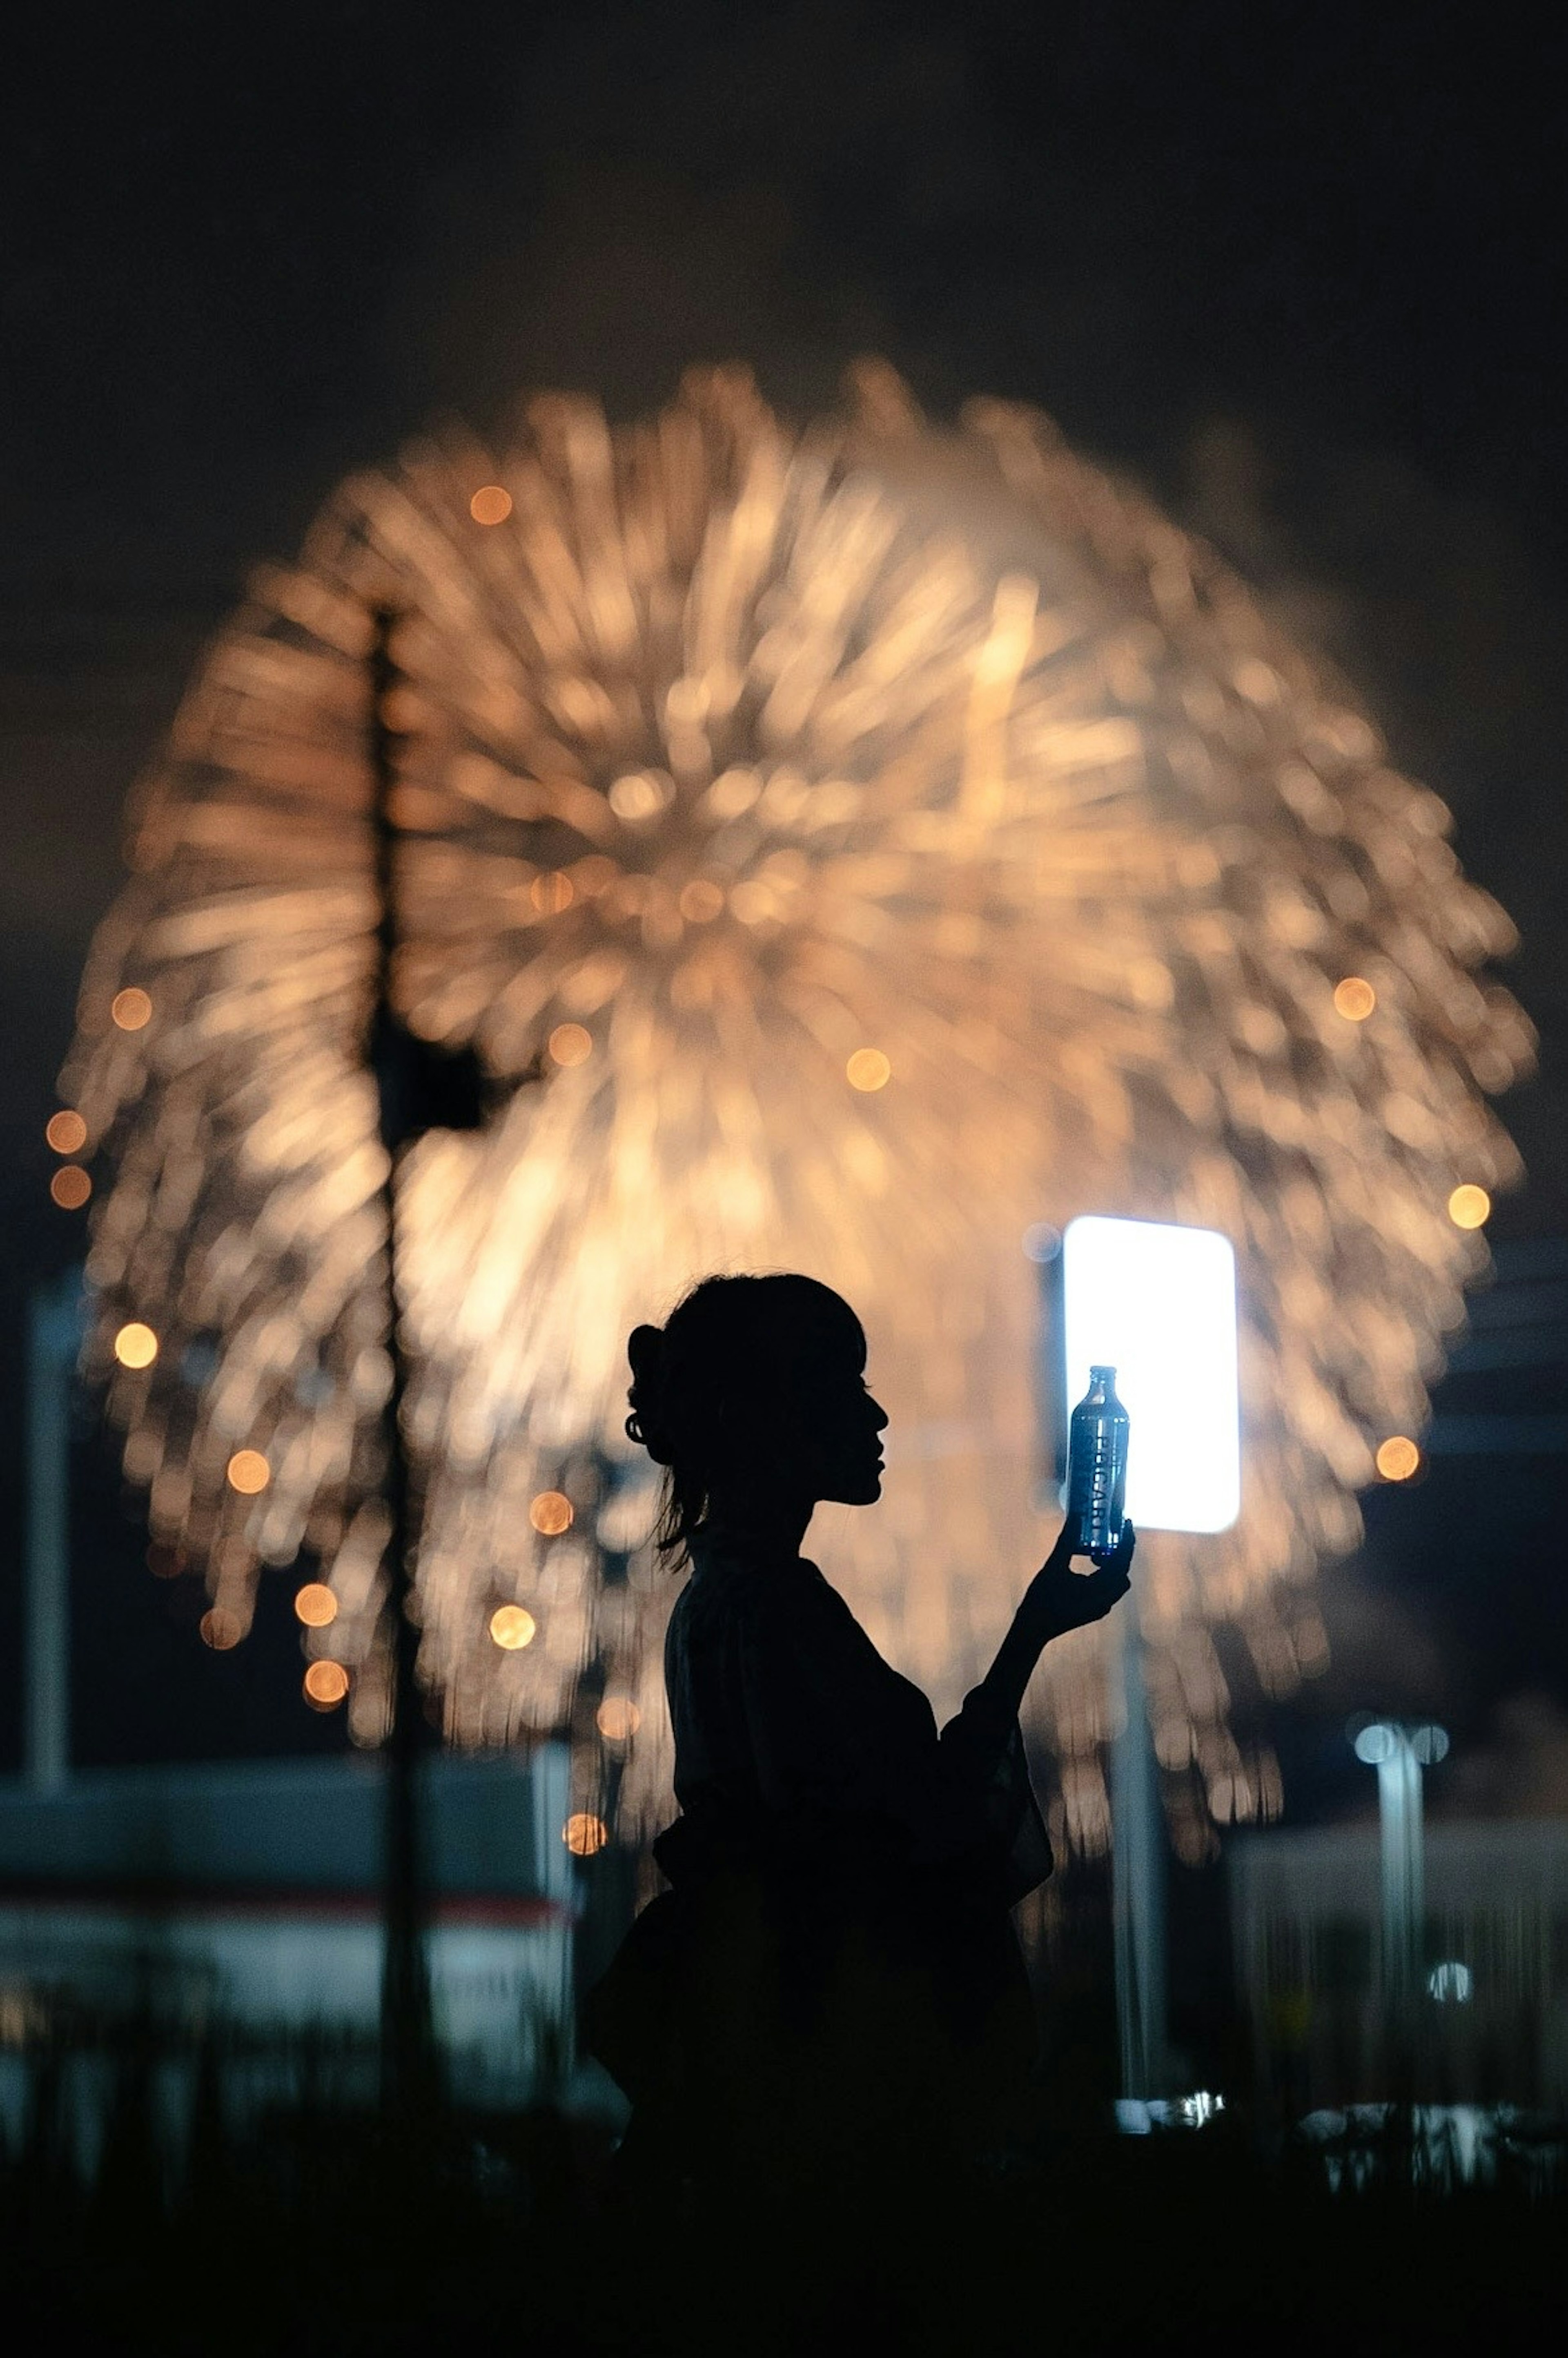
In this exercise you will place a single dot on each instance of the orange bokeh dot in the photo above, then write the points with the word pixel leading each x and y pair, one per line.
pixel 315 1604
pixel 868 1069
pixel 326 1684
pixel 248 1472
pixel 618 1719
pixel 1354 999
pixel 551 1513
pixel 135 1345
pixel 552 893
pixel 131 1009
pixel 583 1834
pixel 512 1628
pixel 221 1628
pixel 66 1131
pixel 491 503
pixel 1470 1206
pixel 1398 1457
pixel 70 1187
pixel 571 1043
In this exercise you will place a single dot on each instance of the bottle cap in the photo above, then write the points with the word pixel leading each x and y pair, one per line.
pixel 1107 1373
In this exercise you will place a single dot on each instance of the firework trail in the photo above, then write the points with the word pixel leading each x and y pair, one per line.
pixel 843 848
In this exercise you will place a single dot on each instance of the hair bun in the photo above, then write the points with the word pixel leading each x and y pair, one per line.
pixel 645 1349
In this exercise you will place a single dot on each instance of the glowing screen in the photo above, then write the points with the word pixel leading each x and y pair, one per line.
pixel 1158 1304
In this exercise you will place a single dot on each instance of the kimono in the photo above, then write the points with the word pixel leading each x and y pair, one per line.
pixel 833 1980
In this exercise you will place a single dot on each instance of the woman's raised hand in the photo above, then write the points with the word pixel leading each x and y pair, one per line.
pixel 1072 1599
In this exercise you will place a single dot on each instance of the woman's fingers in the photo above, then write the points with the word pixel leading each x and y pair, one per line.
pixel 1067 1546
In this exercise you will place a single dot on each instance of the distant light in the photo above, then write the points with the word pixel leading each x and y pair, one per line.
pixel 1470 1206
pixel 165 1562
pixel 221 1628
pixel 315 1604
pixel 700 900
pixel 512 1627
pixel 1355 997
pixel 248 1472
pixel 1200 2107
pixel 1430 1743
pixel 66 1131
pixel 571 1043
pixel 1450 1982
pixel 70 1187
pixel 325 1684
pixel 618 1719
pixel 131 1009
pixel 552 893
pixel 1157 1302
pixel 1398 1457
pixel 868 1069
pixel 583 1834
pixel 135 1345
pixel 491 503
pixel 551 1513
pixel 1376 1743
pixel 1042 1242
pixel 636 796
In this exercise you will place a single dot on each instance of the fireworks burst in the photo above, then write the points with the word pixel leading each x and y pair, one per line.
pixel 843 849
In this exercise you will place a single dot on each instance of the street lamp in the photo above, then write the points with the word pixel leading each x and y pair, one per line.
pixel 1399 1750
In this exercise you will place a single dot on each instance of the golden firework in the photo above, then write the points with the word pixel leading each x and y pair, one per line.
pixel 741 768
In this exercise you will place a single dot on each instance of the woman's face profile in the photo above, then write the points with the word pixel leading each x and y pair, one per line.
pixel 839 1427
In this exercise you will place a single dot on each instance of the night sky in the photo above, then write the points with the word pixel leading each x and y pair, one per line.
pixel 1295 269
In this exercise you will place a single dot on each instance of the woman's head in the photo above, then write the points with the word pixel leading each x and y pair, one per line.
pixel 753 1396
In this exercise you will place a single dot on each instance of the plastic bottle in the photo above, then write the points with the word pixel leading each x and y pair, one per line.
pixel 1096 1465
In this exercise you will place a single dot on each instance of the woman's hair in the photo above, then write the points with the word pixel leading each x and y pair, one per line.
pixel 719 1390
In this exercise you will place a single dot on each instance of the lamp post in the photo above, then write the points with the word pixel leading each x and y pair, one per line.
pixel 1399 1750
pixel 419 1087
pixel 1138 1878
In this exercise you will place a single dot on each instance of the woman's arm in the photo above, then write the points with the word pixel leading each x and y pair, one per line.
pixel 1056 1600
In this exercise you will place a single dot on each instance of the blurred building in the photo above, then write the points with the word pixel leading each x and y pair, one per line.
pixel 243 1900
pixel 1491 2018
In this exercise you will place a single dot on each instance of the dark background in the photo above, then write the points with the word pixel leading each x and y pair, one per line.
pixel 1295 268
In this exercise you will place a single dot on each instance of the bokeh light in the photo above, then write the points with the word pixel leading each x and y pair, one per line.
pixel 315 1604
pixel 551 1513
pixel 135 1345
pixel 70 1187
pixel 491 503
pixel 131 1009
pixel 1470 1206
pixel 583 1834
pixel 701 900
pixel 1354 999
pixel 1398 1457
pixel 221 1629
pixel 617 1718
pixel 868 1069
pixel 248 1472
pixel 66 1131
pixel 1042 1241
pixel 571 1043
pixel 325 1685
pixel 512 1628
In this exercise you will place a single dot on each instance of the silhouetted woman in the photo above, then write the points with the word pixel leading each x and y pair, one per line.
pixel 831 1997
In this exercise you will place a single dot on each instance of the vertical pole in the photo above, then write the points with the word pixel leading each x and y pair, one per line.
pixel 407 2066
pixel 1404 1904
pixel 54 1330
pixel 1138 1876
